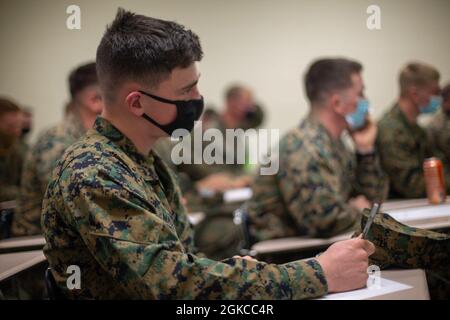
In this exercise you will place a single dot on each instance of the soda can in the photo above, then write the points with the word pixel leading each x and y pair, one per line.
pixel 434 180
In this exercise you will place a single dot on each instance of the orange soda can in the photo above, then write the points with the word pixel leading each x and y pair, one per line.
pixel 434 180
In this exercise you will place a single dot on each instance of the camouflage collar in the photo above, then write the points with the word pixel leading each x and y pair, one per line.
pixel 145 163
pixel 414 128
pixel 329 146
pixel 319 129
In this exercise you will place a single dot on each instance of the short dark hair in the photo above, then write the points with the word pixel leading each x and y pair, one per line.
pixel 327 75
pixel 445 93
pixel 143 49
pixel 82 77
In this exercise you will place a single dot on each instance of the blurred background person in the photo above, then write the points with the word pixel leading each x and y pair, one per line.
pixel 239 112
pixel 12 150
pixel 403 143
pixel 439 127
pixel 322 185
pixel 27 123
pixel 203 185
pixel 80 114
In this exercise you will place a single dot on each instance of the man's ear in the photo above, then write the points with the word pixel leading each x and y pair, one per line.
pixel 133 102
pixel 413 93
pixel 335 101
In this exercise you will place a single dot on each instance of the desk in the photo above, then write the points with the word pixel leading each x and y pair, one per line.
pixel 411 285
pixel 415 278
pixel 404 204
pixel 8 205
pixel 416 213
pixel 22 244
pixel 419 213
pixel 13 263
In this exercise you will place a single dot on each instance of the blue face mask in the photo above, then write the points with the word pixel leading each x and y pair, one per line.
pixel 357 119
pixel 433 105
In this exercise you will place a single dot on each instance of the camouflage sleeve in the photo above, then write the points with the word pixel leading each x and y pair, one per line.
pixel 313 197
pixel 439 143
pixel 28 214
pixel 432 129
pixel 400 161
pixel 438 131
pixel 184 228
pixel 130 242
pixel 371 181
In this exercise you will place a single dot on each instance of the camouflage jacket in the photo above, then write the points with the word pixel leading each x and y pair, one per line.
pixel 310 194
pixel 118 216
pixel 439 130
pixel 39 164
pixel 403 149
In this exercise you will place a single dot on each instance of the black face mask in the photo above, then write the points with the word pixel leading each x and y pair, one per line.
pixel 188 111
pixel 25 131
pixel 250 114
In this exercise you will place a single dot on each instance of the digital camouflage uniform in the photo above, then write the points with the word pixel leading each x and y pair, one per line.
pixel 400 246
pixel 38 167
pixel 163 148
pixel 310 193
pixel 118 216
pixel 439 130
pixel 216 235
pixel 403 149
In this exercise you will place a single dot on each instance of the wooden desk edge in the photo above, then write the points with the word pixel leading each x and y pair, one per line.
pixel 23 266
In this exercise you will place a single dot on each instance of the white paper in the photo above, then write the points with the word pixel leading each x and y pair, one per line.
pixel 235 195
pixel 387 286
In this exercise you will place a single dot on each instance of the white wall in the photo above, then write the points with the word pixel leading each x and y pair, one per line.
pixel 266 44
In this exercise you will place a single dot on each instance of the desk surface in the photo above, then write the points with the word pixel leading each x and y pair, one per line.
pixel 22 244
pixel 415 278
pixel 8 205
pixel 13 263
pixel 404 204
pixel 410 212
pixel 406 285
